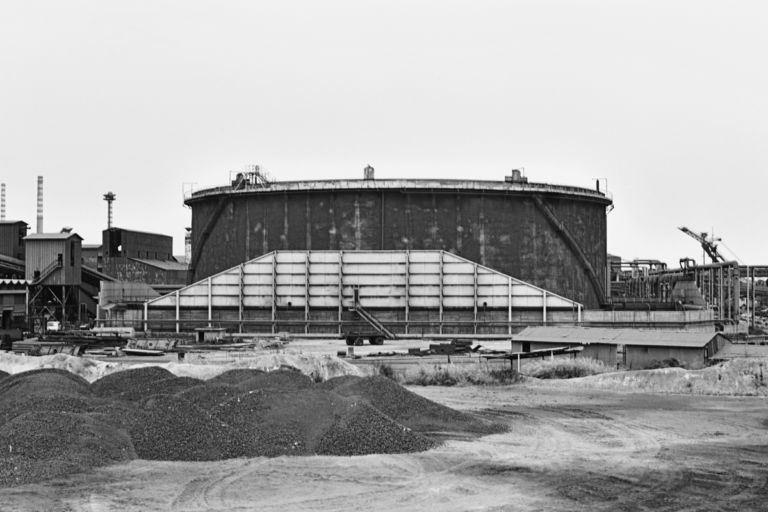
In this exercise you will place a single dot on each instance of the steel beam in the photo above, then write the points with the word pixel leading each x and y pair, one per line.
pixel 577 250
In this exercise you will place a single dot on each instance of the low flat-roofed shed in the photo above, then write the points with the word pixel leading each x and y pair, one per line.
pixel 642 347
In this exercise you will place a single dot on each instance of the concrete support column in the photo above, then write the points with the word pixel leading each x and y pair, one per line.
pixel 210 302
pixel 341 290
pixel 241 301
pixel 274 292
pixel 474 305
pixel 509 305
pixel 306 293
pixel 441 293
pixel 407 288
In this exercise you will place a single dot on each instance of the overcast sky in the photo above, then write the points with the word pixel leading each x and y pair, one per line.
pixel 666 100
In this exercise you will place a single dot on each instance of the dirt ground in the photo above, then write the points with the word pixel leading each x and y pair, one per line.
pixel 567 450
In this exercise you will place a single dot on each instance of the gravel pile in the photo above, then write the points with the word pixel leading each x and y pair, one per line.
pixel 54 423
pixel 273 423
pixel 13 405
pixel 43 379
pixel 210 396
pixel 171 428
pixel 169 386
pixel 45 444
pixel 363 430
pixel 408 408
pixel 236 376
pixel 43 390
pixel 278 380
pixel 117 383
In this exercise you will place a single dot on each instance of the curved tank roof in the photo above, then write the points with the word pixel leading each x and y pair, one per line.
pixel 469 186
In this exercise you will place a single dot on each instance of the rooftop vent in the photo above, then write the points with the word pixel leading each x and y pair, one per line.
pixel 516 177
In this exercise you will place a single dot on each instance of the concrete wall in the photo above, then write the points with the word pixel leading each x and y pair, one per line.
pixel 695 320
pixel 505 231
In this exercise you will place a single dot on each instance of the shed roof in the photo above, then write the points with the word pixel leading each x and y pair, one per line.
pixel 162 264
pixel 638 337
pixel 51 236
pixel 136 231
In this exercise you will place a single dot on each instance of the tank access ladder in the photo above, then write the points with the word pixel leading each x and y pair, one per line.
pixel 372 320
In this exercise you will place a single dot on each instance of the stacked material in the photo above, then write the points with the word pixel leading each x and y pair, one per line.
pixel 54 423
pixel 51 426
pixel 408 408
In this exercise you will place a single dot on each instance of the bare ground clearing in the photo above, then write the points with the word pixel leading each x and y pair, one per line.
pixel 567 450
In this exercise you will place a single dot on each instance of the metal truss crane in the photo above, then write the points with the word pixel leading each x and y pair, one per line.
pixel 707 243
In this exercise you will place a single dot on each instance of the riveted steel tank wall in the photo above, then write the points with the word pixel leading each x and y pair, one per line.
pixel 506 232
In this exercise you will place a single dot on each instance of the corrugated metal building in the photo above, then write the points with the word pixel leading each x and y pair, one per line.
pixel 641 347
pixel 141 257
pixel 92 256
pixel 12 233
pixel 54 258
pixel 13 302
pixel 410 292
pixel 127 243
pixel 692 349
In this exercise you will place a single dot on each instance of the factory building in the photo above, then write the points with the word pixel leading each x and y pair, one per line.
pixel 137 256
pixel 143 267
pixel 12 235
pixel 551 236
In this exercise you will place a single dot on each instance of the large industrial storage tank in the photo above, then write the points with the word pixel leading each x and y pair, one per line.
pixel 549 235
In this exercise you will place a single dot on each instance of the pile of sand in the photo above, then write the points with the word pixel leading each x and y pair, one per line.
pixel 316 367
pixel 740 377
pixel 55 422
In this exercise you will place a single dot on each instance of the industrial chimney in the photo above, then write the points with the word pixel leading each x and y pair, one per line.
pixel 39 204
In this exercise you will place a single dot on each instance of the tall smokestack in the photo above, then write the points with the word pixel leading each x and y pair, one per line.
pixel 39 204
pixel 2 201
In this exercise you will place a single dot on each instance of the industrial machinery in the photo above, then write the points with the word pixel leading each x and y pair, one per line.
pixel 708 243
